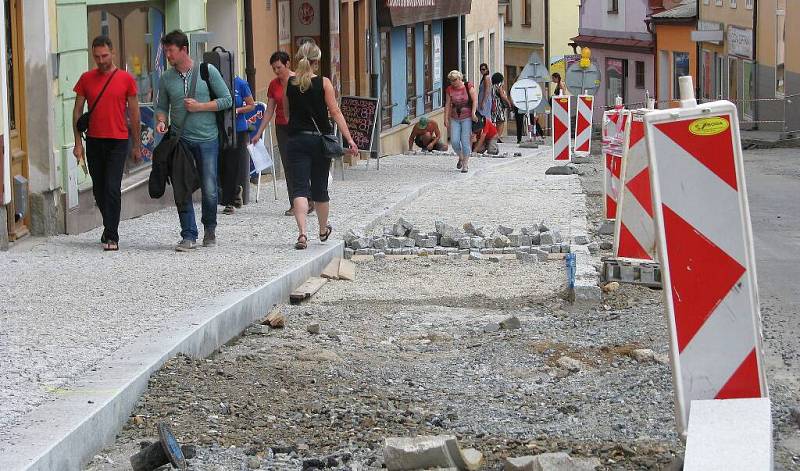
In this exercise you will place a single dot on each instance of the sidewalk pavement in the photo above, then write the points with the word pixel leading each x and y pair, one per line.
pixel 70 309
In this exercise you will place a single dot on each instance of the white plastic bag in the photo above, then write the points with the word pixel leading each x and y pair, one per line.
pixel 260 156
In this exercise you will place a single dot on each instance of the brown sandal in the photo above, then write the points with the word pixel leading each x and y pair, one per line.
pixel 324 237
pixel 302 242
pixel 111 246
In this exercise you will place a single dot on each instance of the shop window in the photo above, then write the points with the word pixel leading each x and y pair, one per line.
pixel 748 89
pixel 386 80
pixel 640 74
pixel 508 17
pixel 780 49
pixel 680 67
pixel 613 6
pixel 135 31
pixel 733 79
pixel 733 3
pixel 427 66
pixel 616 73
pixel 411 71
pixel 707 89
pixel 511 75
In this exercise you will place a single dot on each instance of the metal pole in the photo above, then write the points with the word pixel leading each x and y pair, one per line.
pixel 375 79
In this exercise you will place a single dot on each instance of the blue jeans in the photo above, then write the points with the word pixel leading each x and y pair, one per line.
pixel 206 155
pixel 460 134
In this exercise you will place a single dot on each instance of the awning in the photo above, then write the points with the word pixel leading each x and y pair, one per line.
pixel 635 45
pixel 408 12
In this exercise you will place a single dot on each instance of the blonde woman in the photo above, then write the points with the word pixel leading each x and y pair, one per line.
pixel 308 101
pixel 460 106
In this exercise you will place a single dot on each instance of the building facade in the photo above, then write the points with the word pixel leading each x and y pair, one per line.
pixel 418 46
pixel 484 38
pixel 524 22
pixel 676 53
pixel 623 49
pixel 727 54
pixel 778 72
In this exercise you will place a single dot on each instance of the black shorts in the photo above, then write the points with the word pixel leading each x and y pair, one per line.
pixel 309 167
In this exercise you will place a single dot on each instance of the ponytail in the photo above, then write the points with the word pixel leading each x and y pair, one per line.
pixel 308 56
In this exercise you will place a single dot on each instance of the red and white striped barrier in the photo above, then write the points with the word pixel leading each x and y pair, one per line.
pixel 705 246
pixel 583 124
pixel 635 233
pixel 613 131
pixel 561 128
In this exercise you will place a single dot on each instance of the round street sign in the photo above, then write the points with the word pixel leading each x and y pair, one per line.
pixel 583 81
pixel 526 103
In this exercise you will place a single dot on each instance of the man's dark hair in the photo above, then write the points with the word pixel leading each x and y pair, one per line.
pixel 176 38
pixel 281 56
pixel 101 41
pixel 497 78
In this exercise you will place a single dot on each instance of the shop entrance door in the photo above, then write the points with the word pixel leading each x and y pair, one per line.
pixel 18 211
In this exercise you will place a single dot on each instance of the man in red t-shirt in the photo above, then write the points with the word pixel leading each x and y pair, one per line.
pixel 107 136
pixel 280 67
pixel 484 137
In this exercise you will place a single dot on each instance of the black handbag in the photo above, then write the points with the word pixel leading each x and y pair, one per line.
pixel 331 144
pixel 83 121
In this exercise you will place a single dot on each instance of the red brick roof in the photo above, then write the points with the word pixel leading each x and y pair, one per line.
pixel 613 43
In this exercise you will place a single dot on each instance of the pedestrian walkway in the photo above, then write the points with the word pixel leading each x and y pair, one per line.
pixel 71 307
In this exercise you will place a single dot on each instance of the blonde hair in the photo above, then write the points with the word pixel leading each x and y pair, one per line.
pixel 455 75
pixel 307 58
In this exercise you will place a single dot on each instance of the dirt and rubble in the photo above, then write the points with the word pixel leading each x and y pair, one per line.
pixel 488 351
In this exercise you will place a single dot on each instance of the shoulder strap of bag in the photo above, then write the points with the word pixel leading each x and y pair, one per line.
pixel 310 110
pixel 103 91
pixel 192 89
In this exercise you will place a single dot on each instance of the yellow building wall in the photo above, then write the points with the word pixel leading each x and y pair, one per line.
pixel 564 22
pixel 675 38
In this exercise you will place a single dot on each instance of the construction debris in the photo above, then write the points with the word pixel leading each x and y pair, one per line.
pixel 307 289
pixel 405 454
pixel 275 319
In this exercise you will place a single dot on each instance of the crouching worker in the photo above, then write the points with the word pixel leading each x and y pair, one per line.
pixel 484 137
pixel 426 135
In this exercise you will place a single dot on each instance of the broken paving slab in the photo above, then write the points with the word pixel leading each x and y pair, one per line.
pixel 551 462
pixel 429 452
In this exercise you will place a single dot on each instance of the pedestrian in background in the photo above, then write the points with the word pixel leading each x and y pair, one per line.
pixel 196 117
pixel 112 97
pixel 283 72
pixel 308 102
pixel 485 92
pixel 500 103
pixel 459 112
pixel 236 164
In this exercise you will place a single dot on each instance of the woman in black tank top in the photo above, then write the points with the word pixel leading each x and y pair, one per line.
pixel 308 102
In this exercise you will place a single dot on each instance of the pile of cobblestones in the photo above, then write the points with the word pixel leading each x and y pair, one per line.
pixel 529 243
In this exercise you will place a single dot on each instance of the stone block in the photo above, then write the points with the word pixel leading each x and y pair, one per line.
pixel 555 248
pixel 511 323
pixel 396 242
pixel 513 239
pixel 464 243
pixel 491 327
pixel 348 253
pixel 494 259
pixel 363 252
pixel 526 231
pixel 440 226
pixel 606 228
pixel 488 243
pixel 561 170
pixel 352 235
pixel 408 242
pixel 454 256
pixel 429 452
pixel 729 434
pixel 407 226
pixel 580 239
pixel 543 226
pixel 476 243
pixel 482 232
pixel 505 230
pixel 501 241
pixel 463 251
pixel 361 243
pixel 606 245
pixel 536 238
pixel 557 236
pixel 545 248
pixel 551 462
pixel 406 251
pixel 487 251
pixel 594 247
pixel 475 256
pixel 380 243
pixel 509 250
pixel 439 251
pixel 524 240
pixel 564 248
pixel 547 238
pixel 380 256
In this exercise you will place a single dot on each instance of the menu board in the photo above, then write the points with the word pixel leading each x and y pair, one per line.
pixel 360 114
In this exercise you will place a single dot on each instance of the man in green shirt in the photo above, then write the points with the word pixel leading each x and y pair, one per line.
pixel 196 117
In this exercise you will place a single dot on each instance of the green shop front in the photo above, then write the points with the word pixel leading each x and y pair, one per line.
pixel 135 29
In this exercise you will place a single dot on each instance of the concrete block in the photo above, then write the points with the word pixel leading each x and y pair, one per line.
pixel 419 238
pixel 404 226
pixel 587 292
pixel 550 462
pixel 440 226
pixel 627 272
pixel 427 452
pixel 541 256
pixel 647 274
pixel 526 230
pixel 729 434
